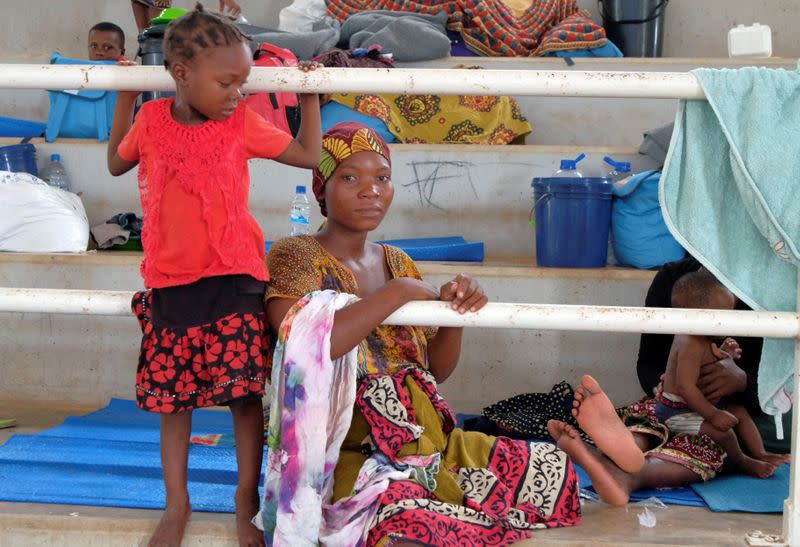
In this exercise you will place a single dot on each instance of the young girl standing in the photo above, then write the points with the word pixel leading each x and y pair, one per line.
pixel 205 334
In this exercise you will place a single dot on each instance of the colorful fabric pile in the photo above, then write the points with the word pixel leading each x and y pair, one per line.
pixel 490 27
pixel 447 119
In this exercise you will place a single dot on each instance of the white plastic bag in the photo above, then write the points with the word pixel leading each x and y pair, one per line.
pixel 37 218
pixel 301 15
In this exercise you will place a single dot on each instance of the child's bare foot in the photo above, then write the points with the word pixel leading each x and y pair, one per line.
pixel 597 417
pixel 775 459
pixel 756 468
pixel 246 508
pixel 608 480
pixel 169 532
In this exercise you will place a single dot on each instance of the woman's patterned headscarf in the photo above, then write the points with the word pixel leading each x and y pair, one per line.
pixel 339 143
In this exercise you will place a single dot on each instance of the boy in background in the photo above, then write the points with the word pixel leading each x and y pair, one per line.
pixel 106 42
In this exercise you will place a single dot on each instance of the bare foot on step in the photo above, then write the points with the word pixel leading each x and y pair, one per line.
pixel 608 480
pixel 247 504
pixel 169 532
pixel 597 417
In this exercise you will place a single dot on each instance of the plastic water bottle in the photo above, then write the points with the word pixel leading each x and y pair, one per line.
pixel 569 168
pixel 56 175
pixel 300 213
pixel 620 170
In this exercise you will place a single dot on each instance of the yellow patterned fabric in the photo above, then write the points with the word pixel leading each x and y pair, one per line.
pixel 300 265
pixel 336 149
pixel 448 119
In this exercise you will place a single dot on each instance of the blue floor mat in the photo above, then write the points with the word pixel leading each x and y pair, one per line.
pixel 742 493
pixel 111 458
pixel 683 495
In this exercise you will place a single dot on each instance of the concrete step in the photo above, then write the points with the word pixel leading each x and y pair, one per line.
pixel 480 192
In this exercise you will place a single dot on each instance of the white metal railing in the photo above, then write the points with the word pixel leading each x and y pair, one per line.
pixel 494 315
pixel 667 85
pixel 563 83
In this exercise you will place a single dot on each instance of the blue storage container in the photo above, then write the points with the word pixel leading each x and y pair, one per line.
pixel 572 217
pixel 19 158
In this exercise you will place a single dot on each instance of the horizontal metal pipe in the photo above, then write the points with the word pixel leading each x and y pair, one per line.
pixel 494 315
pixel 662 85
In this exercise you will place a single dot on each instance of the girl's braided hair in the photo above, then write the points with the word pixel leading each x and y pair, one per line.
pixel 196 31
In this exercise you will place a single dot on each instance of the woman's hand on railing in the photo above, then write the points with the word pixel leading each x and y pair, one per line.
pixel 464 294
pixel 413 289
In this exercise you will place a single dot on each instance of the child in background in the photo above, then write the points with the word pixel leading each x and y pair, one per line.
pixel 681 405
pixel 106 42
pixel 205 334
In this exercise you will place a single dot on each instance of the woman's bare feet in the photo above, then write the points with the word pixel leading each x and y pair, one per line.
pixel 608 480
pixel 247 504
pixel 169 532
pixel 597 417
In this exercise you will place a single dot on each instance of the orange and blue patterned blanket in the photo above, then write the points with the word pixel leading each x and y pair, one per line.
pixel 490 28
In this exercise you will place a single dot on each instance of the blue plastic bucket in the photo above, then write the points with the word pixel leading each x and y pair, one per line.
pixel 19 158
pixel 573 217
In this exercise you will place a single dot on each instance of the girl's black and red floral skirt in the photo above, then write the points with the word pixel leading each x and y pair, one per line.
pixel 203 344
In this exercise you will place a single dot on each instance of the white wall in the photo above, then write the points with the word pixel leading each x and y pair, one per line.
pixel 699 28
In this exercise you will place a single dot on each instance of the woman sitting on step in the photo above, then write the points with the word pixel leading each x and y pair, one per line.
pixel 361 444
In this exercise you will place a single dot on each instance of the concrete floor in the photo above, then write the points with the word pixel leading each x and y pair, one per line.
pixel 27 524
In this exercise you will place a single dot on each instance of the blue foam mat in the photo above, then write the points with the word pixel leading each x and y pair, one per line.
pixel 451 248
pixel 111 458
pixel 15 127
pixel 749 494
pixel 682 495
pixel 454 248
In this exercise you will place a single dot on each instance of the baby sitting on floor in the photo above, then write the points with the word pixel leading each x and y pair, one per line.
pixel 683 407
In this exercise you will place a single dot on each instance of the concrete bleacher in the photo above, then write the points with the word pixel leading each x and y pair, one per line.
pixel 480 192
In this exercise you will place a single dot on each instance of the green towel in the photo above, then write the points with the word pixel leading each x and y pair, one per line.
pixel 729 195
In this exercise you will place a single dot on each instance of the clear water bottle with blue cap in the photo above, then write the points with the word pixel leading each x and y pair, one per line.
pixel 620 170
pixel 56 175
pixel 569 168
pixel 300 213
